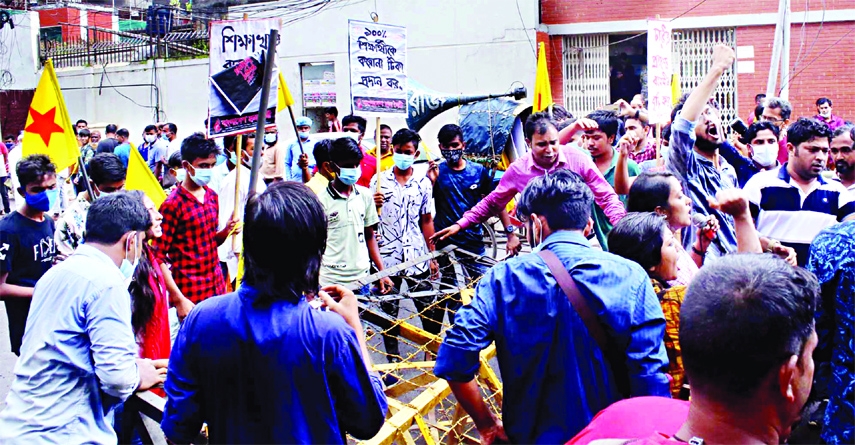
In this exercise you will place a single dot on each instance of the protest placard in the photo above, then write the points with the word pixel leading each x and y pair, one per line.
pixel 378 68
pixel 659 71
pixel 238 50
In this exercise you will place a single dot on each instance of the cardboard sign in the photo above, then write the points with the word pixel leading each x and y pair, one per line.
pixel 378 68
pixel 659 70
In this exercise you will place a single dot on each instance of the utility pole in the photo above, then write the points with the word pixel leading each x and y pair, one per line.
pixel 785 54
pixel 780 51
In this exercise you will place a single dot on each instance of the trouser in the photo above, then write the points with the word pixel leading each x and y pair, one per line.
pixel 471 271
pixel 17 310
pixel 4 194
pixel 431 314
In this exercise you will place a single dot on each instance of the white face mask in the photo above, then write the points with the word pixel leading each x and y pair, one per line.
pixel 128 268
pixel 825 113
pixel 150 138
pixel 765 154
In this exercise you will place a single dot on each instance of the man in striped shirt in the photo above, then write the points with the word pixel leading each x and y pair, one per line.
pixel 793 203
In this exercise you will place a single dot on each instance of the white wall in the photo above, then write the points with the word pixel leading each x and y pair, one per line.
pixel 472 47
pixel 19 52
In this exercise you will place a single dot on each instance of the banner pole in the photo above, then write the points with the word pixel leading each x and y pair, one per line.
pixel 269 61
pixel 239 153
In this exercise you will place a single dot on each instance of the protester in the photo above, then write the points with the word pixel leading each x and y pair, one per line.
pixel 190 237
pixel 458 185
pixel 174 173
pixel 153 149
pixel 405 205
pixel 110 141
pixel 842 149
pixel 322 178
pixel 645 146
pixel 27 249
pixel 546 157
pixel 600 142
pixel 386 161
pixel 824 114
pixel 762 143
pixel 758 105
pixel 693 155
pixel 299 162
pixel 106 175
pixel 778 112
pixel 832 261
pixel 793 202
pixel 286 373
pixel 232 201
pixel 81 124
pixel 79 358
pixel 550 395
pixel 95 138
pixel 169 131
pixel 351 221
pixel 331 118
pixel 357 124
pixel 747 336
pixel 273 166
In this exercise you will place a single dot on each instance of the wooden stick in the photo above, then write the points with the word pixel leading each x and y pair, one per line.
pixel 238 152
pixel 378 155
pixel 658 140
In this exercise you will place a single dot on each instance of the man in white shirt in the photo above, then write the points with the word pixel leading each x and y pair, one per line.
pixel 230 250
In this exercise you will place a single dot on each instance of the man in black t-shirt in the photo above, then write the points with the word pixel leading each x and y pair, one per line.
pixel 110 142
pixel 27 249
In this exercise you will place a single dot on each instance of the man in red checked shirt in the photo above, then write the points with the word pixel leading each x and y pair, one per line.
pixel 190 237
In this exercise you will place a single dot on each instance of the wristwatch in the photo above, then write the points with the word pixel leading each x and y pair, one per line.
pixel 510 230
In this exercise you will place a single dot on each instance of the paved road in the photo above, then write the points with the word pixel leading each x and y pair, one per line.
pixel 7 359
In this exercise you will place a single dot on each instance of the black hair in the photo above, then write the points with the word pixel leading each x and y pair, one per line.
pixel 781 104
pixel 321 152
pixel 648 191
pixel 666 133
pixel 79 121
pixel 142 295
pixel 560 113
pixel 759 96
pixel 638 237
pixel 33 169
pixel 286 217
pixel 174 160
pixel 640 121
pixel 8 137
pixel 352 118
pixel 385 127
pixel 344 149
pixel 84 132
pixel 172 127
pixel 404 136
pixel 113 215
pixel 448 132
pixel 757 127
pixel 105 168
pixel 743 316
pixel 823 100
pixel 758 112
pixel 332 110
pixel 197 146
pixel 682 102
pixel 607 121
pixel 150 128
pixel 562 197
pixel 843 129
pixel 538 123
pixel 229 142
pixel 805 129
pixel 123 132
pixel 111 128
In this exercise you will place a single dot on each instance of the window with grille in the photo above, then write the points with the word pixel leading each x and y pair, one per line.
pixel 692 50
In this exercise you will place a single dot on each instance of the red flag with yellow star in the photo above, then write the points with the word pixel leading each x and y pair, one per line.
pixel 48 130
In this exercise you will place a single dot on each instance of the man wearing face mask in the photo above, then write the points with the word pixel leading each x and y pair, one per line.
pixel 406 225
pixel 762 142
pixel 153 149
pixel 79 358
pixel 843 155
pixel 190 237
pixel 273 166
pixel 106 175
pixel 27 249
pixel 554 373
pixel 299 165
pixel 824 114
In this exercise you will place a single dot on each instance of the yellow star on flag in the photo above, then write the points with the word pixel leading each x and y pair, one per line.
pixel 48 129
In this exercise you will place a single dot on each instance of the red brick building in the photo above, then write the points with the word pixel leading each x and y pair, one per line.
pixel 74 22
pixel 584 38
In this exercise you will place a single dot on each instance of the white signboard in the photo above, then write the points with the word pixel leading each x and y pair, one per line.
pixel 378 68
pixel 659 71
pixel 238 53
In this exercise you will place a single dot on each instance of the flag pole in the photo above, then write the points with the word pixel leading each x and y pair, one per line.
pixel 262 109
pixel 377 154
pixel 294 124
pixel 83 173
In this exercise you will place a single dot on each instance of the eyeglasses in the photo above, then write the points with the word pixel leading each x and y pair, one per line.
pixel 773 120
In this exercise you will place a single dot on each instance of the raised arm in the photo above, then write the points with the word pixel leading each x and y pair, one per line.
pixel 604 194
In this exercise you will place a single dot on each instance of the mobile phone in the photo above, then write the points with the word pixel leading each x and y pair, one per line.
pixel 739 126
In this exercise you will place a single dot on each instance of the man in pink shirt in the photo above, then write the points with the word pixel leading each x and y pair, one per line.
pixel 824 114
pixel 546 156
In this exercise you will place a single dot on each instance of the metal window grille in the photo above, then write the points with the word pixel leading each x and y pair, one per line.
pixel 586 72
pixel 692 50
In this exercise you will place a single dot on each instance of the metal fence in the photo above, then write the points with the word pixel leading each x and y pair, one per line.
pixel 123 47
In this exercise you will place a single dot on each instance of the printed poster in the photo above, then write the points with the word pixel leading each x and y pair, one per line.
pixel 659 71
pixel 378 68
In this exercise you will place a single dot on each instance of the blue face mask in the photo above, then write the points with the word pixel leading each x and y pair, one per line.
pixel 42 201
pixel 128 268
pixel 349 176
pixel 402 161
pixel 303 135
pixel 233 158
pixel 221 158
pixel 180 174
pixel 203 176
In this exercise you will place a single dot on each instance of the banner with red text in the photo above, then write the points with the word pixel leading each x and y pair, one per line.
pixel 659 71
pixel 378 68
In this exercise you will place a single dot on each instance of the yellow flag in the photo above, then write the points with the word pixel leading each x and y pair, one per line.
pixel 48 129
pixel 542 90
pixel 675 89
pixel 285 98
pixel 141 178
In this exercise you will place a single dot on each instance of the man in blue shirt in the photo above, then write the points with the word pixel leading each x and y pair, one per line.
pixel 263 365
pixel 555 375
pixel 300 165
pixel 79 357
